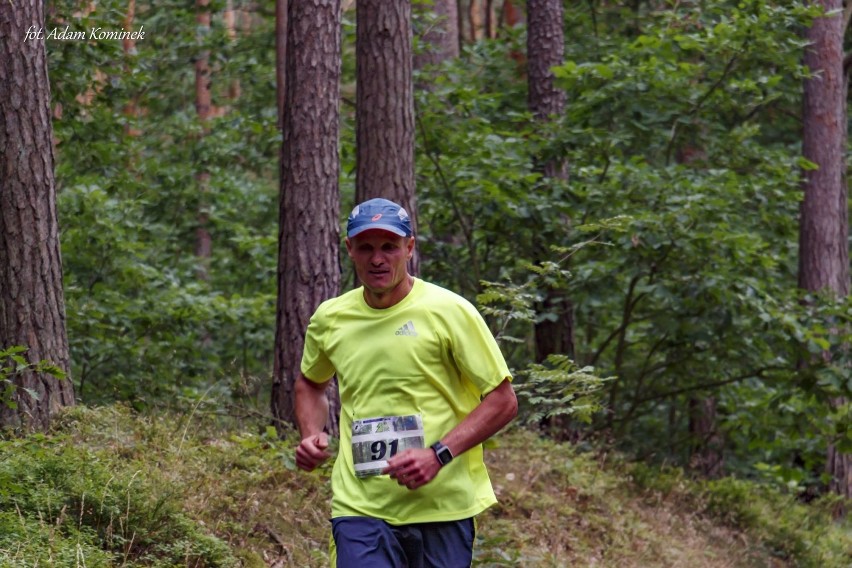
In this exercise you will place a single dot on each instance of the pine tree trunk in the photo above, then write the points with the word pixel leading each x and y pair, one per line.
pixel 280 57
pixel 442 39
pixel 545 50
pixel 510 15
pixel 131 110
pixel 32 302
pixel 823 222
pixel 229 16
pixel 384 114
pixel 707 455
pixel 309 234
pixel 474 16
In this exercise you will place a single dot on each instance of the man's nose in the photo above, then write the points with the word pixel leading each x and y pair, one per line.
pixel 377 259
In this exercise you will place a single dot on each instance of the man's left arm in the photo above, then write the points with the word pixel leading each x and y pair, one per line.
pixel 414 468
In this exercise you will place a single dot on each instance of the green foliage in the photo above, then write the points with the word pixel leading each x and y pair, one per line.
pixel 681 124
pixel 674 236
pixel 142 325
pixel 12 363
pixel 807 535
pixel 560 388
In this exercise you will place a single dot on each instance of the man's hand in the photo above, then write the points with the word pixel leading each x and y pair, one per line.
pixel 311 451
pixel 413 468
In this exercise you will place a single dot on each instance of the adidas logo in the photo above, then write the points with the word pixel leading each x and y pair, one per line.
pixel 407 329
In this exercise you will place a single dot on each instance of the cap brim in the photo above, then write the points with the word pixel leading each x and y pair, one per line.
pixel 377 226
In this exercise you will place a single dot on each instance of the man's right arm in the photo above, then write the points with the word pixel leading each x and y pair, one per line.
pixel 311 416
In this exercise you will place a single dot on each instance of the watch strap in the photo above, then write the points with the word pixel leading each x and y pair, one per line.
pixel 443 453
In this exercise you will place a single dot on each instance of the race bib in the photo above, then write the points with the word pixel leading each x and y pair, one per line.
pixel 375 440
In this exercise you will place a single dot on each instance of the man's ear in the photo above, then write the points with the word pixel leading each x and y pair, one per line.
pixel 348 246
pixel 410 245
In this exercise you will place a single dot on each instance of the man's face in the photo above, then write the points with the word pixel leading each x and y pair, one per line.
pixel 380 259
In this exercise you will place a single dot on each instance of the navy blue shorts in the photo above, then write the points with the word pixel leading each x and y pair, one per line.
pixel 363 542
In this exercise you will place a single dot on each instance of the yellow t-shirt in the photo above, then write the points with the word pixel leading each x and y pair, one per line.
pixel 431 354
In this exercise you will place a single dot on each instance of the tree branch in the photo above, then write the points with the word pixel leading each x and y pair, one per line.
pixel 759 373
pixel 697 106
pixel 466 229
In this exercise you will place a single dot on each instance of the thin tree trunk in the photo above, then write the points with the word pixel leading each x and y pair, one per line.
pixel 204 109
pixel 131 110
pixel 280 57
pixel 441 39
pixel 545 50
pixel 309 235
pixel 229 17
pixel 474 15
pixel 460 23
pixel 510 15
pixel 32 302
pixel 824 224
pixel 707 456
pixel 384 114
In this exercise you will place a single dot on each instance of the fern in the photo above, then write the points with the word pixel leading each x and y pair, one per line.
pixel 560 387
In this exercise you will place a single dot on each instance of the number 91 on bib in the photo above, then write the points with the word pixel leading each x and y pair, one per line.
pixel 376 440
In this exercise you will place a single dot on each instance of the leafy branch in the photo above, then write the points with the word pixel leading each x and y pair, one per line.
pixel 12 364
pixel 509 301
pixel 561 388
pixel 558 386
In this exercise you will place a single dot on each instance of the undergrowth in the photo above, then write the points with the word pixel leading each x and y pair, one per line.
pixel 109 487
pixel 63 503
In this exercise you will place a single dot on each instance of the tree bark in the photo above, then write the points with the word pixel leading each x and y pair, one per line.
pixel 707 456
pixel 384 114
pixel 131 110
pixel 475 24
pixel 489 18
pixel 32 302
pixel 823 221
pixel 510 15
pixel 545 50
pixel 229 17
pixel 280 57
pixel 441 39
pixel 309 234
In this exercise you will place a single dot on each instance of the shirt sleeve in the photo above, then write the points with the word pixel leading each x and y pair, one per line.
pixel 475 350
pixel 316 365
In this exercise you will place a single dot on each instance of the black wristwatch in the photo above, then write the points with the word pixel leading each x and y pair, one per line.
pixel 443 453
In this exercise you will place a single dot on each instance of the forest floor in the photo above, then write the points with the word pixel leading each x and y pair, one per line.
pixel 557 507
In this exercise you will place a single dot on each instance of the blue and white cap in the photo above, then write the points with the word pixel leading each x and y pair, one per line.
pixel 379 214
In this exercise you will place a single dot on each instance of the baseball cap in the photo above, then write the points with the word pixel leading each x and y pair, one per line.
pixel 379 213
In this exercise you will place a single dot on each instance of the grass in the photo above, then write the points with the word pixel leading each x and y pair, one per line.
pixel 108 487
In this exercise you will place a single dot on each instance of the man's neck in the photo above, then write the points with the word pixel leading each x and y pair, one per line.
pixel 383 300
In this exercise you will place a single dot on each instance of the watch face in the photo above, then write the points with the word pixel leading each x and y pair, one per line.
pixel 443 453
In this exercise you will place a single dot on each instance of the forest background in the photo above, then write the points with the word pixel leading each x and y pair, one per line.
pixel 664 256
